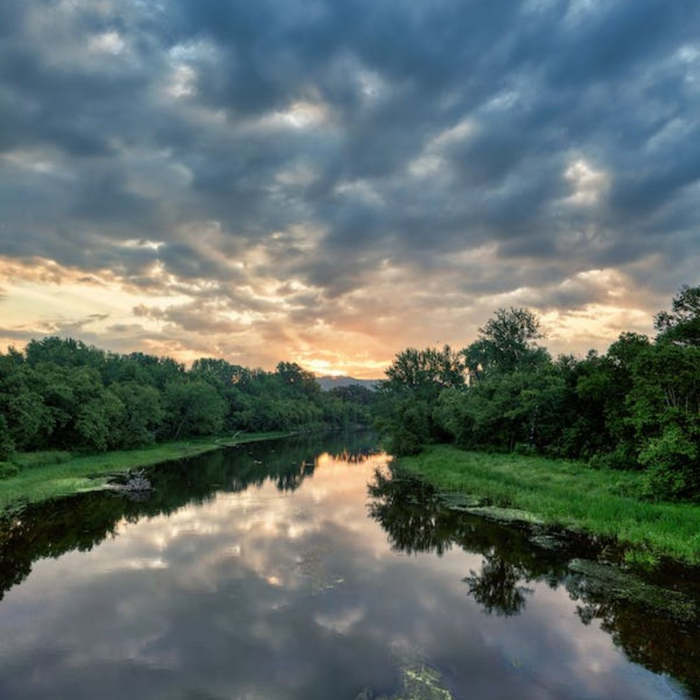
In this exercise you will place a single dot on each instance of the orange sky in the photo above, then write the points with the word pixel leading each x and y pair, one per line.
pixel 359 338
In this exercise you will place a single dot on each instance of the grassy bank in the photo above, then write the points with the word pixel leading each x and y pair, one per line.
pixel 45 475
pixel 570 494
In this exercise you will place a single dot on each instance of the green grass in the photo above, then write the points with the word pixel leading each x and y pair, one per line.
pixel 29 460
pixel 46 475
pixel 570 494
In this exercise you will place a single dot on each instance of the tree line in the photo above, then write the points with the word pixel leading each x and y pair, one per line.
pixel 635 407
pixel 64 394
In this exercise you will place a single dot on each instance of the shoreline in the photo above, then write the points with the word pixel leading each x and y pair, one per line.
pixel 65 474
pixel 563 494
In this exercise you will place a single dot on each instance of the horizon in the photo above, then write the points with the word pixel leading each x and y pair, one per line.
pixel 329 374
pixel 330 184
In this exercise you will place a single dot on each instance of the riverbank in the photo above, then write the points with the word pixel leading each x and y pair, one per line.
pixel 45 475
pixel 568 494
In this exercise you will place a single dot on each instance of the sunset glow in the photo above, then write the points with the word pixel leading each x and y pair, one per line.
pixel 191 179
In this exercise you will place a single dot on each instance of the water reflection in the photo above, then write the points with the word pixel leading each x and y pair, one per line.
pixel 497 587
pixel 256 573
pixel 416 521
pixel 85 520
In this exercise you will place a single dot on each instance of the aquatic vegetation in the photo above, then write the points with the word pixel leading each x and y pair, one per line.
pixel 422 683
pixel 418 682
pixel 625 586
pixel 637 610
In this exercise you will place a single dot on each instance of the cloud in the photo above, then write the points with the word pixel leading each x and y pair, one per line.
pixel 283 161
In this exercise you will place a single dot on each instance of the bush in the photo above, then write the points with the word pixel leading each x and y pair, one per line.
pixel 7 470
pixel 403 442
pixel 620 458
pixel 672 465
pixel 7 445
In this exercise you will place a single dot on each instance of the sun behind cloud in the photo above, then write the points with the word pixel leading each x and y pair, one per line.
pixel 196 179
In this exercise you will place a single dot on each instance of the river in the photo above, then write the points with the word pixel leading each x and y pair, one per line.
pixel 301 568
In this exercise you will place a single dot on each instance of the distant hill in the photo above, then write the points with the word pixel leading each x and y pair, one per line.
pixel 333 382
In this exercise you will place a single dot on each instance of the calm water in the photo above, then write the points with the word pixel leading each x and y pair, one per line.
pixel 292 570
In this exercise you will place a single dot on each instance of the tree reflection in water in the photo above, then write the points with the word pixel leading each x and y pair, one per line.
pixel 415 520
pixel 496 587
pixel 83 521
pixel 409 512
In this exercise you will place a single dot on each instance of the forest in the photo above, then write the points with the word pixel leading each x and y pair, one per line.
pixel 64 394
pixel 635 407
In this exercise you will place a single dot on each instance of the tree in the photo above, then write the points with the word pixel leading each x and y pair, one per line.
pixel 505 343
pixel 65 394
pixel 505 410
pixel 27 419
pixel 354 393
pixel 405 400
pixel 193 408
pixel 411 427
pixel 65 390
pixel 682 324
pixel 297 381
pixel 65 352
pixel 142 415
pixel 98 422
pixel 425 372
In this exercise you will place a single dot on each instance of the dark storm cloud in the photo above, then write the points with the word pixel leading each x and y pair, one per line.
pixel 565 134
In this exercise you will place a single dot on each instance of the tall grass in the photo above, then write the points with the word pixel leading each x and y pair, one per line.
pixel 29 460
pixel 569 494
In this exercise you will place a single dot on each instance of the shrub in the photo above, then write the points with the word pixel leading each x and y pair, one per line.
pixel 672 465
pixel 7 470
pixel 620 458
pixel 404 442
pixel 7 445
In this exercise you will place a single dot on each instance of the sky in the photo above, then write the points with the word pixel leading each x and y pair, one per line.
pixel 328 182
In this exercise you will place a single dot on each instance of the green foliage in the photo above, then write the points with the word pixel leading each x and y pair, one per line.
pixel 7 444
pixel 622 457
pixel 8 470
pixel 404 405
pixel 99 421
pixel 567 493
pixel 52 474
pixel 636 407
pixel 193 408
pixel 411 428
pixel 505 343
pixel 354 393
pixel 424 372
pixel 673 463
pixel 296 380
pixel 505 409
pixel 682 323
pixel 67 395
pixel 141 415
